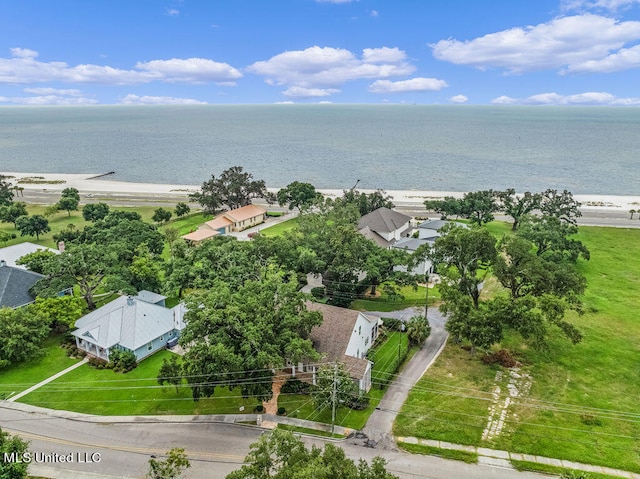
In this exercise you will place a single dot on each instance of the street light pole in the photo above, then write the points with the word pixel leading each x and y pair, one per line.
pixel 426 303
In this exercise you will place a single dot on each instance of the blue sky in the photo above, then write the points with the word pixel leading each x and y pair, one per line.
pixel 556 52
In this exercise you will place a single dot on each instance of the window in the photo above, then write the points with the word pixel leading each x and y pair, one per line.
pixel 360 330
pixel 150 346
pixel 162 338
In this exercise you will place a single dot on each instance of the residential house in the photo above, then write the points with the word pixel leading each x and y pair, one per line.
pixel 129 323
pixel 233 220
pixel 384 226
pixel 15 283
pixel 11 254
pixel 344 336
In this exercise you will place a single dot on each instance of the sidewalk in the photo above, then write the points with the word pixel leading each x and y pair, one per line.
pixel 47 381
pixel 500 458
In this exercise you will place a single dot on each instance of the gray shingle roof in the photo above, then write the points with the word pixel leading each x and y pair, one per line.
pixel 383 220
pixel 150 297
pixel 14 286
pixel 433 224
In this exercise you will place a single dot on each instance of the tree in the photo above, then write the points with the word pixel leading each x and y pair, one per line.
pixel 68 204
pixel 87 266
pixel 518 206
pixel 4 237
pixel 12 445
pixel 146 270
pixel 560 205
pixel 95 211
pixel 32 225
pixel 365 202
pixel 11 213
pixel 170 372
pixel 298 195
pixel 461 254
pixel 171 468
pixel 418 330
pixel 234 188
pixel 449 206
pixel 479 206
pixel 182 209
pixel 632 211
pixel 161 215
pixel 60 312
pixel 172 235
pixel 236 336
pixel 334 388
pixel 6 192
pixel 22 332
pixel 71 193
pixel 553 238
pixel 280 455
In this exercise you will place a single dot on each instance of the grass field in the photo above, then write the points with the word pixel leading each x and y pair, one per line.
pixel 280 228
pixel 137 392
pixel 18 377
pixel 583 403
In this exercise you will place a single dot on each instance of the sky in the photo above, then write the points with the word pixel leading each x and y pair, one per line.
pixel 503 52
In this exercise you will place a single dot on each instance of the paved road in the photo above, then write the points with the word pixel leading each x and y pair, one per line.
pixel 213 449
pixel 380 424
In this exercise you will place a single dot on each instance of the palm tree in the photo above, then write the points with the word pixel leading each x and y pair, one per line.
pixel 632 212
pixel 418 330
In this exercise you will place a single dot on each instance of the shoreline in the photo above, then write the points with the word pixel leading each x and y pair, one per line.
pixel 87 184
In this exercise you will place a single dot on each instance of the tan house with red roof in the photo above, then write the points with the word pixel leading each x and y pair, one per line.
pixel 234 220
pixel 344 336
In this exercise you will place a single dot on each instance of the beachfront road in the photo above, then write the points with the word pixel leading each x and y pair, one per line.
pixel 103 450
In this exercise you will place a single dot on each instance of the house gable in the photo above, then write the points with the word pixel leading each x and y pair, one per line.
pixel 387 223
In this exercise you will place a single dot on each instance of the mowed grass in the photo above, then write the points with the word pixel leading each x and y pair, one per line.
pixel 280 228
pixel 583 405
pixel 18 377
pixel 104 392
pixel 409 296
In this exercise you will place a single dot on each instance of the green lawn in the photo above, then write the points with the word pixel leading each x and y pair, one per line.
pixel 410 296
pixel 104 392
pixel 18 377
pixel 583 404
pixel 280 228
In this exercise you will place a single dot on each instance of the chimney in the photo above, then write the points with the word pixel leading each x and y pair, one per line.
pixel 61 246
pixel 130 300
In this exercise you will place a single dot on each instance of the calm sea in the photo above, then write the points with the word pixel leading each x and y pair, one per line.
pixel 451 148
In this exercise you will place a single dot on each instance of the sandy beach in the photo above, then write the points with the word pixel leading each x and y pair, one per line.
pixel 89 186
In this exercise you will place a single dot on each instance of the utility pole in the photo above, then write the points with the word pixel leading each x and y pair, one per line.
pixel 334 397
pixel 426 303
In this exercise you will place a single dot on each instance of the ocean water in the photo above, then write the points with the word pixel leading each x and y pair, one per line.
pixel 587 150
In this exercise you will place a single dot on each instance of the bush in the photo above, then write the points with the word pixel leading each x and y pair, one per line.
pixel 97 363
pixel 122 361
pixel 392 324
pixel 318 292
pixel 281 411
pixel 259 408
pixel 358 403
pixel 295 386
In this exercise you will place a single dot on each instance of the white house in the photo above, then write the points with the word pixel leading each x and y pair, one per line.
pixel 344 336
pixel 131 324
pixel 384 226
pixel 234 220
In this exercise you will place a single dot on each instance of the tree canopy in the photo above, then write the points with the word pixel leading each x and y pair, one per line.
pixel 35 225
pixel 233 189
pixel 298 195
pixel 518 206
pixel 22 332
pixel 13 211
pixel 12 445
pixel 95 211
pixel 280 455
pixel 236 335
pixel 6 192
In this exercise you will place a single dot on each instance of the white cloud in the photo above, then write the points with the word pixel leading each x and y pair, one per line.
pixel 191 70
pixel 504 100
pixel 326 68
pixel 49 100
pixel 302 92
pixel 25 69
pixel 374 13
pixel 172 12
pixel 459 99
pixel 53 91
pixel 132 99
pixel 405 86
pixel 564 41
pixel 612 5
pixel 587 98
pixel 623 59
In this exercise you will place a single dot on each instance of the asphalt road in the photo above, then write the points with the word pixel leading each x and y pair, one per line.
pixel 214 450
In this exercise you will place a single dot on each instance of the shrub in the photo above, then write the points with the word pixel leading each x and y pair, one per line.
pixel 295 386
pixel 318 292
pixel 259 408
pixel 392 324
pixel 281 411
pixel 358 403
pixel 122 361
